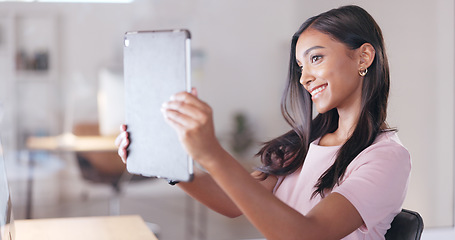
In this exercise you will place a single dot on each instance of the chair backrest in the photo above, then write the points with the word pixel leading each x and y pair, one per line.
pixel 407 225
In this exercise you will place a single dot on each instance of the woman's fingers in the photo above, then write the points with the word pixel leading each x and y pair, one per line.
pixel 192 119
pixel 185 112
pixel 188 104
pixel 122 153
pixel 189 99
pixel 122 142
pixel 179 121
pixel 118 140
pixel 122 148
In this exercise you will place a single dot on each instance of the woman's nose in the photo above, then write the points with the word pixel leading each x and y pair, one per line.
pixel 306 78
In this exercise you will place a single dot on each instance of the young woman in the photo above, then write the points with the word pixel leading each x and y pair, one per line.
pixel 342 174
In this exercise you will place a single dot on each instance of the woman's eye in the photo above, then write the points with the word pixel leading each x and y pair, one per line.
pixel 315 58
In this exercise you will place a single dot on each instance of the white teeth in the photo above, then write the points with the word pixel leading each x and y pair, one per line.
pixel 317 90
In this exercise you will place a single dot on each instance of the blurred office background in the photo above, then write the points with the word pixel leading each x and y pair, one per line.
pixel 61 73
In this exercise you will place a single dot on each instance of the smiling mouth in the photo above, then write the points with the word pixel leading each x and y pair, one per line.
pixel 318 90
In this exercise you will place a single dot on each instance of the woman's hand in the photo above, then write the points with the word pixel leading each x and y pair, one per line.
pixel 122 142
pixel 193 121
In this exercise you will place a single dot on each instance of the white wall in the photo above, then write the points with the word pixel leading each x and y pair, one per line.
pixel 245 44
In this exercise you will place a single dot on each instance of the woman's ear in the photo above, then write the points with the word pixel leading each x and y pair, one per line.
pixel 367 54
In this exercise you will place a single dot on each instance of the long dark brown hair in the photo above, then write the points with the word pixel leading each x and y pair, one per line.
pixel 352 26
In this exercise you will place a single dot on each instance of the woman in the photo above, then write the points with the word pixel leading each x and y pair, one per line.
pixel 343 174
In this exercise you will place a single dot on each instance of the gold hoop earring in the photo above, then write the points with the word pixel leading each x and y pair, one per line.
pixel 363 72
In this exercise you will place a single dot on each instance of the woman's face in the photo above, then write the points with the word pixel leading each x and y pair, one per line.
pixel 330 71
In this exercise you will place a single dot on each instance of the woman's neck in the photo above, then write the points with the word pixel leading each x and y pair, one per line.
pixel 347 123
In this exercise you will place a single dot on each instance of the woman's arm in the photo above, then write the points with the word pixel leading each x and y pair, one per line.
pixel 206 190
pixel 203 187
pixel 333 218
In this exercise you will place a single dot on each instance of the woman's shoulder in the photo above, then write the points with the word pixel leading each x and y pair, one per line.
pixel 388 139
pixel 388 146
pixel 386 155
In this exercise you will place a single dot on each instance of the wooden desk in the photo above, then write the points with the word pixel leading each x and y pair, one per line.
pixel 72 143
pixel 84 228
pixel 64 143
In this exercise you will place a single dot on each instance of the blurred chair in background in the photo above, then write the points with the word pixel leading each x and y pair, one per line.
pixel 103 167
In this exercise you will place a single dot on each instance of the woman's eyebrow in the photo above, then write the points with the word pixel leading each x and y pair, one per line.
pixel 310 49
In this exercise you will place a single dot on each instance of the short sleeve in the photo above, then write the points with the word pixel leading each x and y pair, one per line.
pixel 376 183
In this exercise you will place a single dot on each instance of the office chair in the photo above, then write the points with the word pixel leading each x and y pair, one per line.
pixel 103 167
pixel 407 225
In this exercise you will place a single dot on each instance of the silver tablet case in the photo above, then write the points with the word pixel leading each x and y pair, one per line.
pixel 156 66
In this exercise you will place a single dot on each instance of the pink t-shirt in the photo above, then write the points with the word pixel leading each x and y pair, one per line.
pixel 375 182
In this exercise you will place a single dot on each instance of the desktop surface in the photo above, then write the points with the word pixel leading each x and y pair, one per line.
pixel 84 228
pixel 70 142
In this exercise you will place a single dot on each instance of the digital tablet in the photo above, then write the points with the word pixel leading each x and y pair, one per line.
pixel 156 66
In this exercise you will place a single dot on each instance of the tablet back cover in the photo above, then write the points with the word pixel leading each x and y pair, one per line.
pixel 156 66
